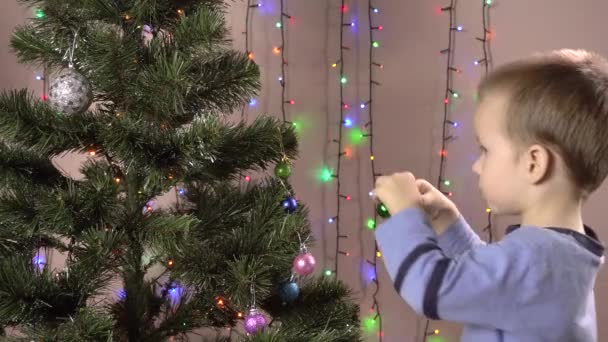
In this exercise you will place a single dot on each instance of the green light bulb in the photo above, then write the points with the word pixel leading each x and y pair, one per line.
pixel 446 182
pixel 278 24
pixel 326 174
pixel 356 136
pixel 371 224
pixel 328 273
pixel 40 13
pixel 376 44
pixel 369 324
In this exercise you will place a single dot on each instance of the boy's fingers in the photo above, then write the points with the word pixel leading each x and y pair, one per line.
pixel 423 185
pixel 428 196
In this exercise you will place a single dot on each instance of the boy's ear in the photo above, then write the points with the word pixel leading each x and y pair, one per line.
pixel 539 163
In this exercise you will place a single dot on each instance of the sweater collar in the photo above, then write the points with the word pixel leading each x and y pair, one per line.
pixel 589 240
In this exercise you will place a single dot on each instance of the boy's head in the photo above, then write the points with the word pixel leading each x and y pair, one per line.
pixel 542 123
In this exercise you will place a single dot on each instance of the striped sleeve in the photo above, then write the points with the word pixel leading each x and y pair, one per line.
pixel 467 289
pixel 458 238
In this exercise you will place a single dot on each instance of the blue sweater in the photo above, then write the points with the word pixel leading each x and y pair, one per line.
pixel 534 285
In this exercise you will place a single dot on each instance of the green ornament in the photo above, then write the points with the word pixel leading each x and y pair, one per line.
pixel 382 210
pixel 282 170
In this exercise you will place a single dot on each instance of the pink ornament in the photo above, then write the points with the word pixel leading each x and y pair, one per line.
pixel 304 264
pixel 254 321
pixel 261 320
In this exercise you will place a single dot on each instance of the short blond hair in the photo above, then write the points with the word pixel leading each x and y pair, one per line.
pixel 559 100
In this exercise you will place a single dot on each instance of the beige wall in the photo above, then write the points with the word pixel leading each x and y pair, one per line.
pixel 408 110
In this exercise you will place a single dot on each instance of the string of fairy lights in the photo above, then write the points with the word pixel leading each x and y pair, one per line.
pixel 486 61
pixel 449 93
pixel 326 173
pixel 247 33
pixel 342 81
pixel 373 65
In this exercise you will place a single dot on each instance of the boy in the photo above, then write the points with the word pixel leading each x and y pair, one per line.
pixel 542 126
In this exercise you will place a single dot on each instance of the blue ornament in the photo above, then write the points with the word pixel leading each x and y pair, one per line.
pixel 289 292
pixel 289 204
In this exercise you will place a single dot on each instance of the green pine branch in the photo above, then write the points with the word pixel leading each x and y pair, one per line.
pixel 86 325
pixel 33 124
pixel 19 165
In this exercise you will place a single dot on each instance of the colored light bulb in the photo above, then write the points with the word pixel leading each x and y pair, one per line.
pixel 39 13
pixel 278 24
pixel 376 44
pixel 326 175
pixel 253 102
pixel 343 80
pixel 348 122
pixel 371 224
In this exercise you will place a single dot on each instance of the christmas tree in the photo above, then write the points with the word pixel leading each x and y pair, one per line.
pixel 145 89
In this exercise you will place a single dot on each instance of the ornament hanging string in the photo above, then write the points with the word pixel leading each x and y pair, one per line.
pixel 303 244
pixel 252 288
pixel 69 53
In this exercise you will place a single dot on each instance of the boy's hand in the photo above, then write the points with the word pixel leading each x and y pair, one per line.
pixel 441 210
pixel 398 191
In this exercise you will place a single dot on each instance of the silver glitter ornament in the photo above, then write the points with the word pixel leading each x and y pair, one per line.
pixel 70 92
